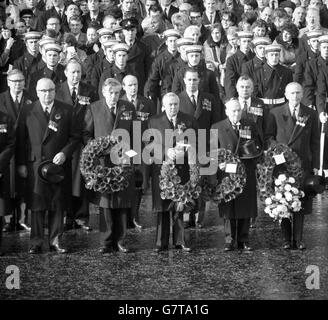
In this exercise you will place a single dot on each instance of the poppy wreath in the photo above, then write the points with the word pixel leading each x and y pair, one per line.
pixel 224 186
pixel 183 196
pixel 266 169
pixel 98 177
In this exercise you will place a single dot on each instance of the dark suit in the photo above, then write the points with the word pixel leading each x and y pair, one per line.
pixel 208 82
pixel 7 146
pixel 161 207
pixel 233 71
pixel 237 212
pixel 114 207
pixel 86 20
pixel 301 61
pixel 57 76
pixel 80 204
pixel 17 184
pixel 207 112
pixel 172 11
pixel 36 142
pixel 250 66
pixel 27 64
pixel 312 70
pixel 42 19
pixel 260 118
pixel 270 83
pixel 139 63
pixel 145 109
pixel 305 141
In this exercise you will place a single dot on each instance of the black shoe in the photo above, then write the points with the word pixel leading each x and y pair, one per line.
pixel 57 248
pixel 8 227
pixel 228 247
pixel 245 247
pixel 122 248
pixel 286 246
pixel 300 245
pixel 182 247
pixel 35 250
pixel 160 249
pixel 190 224
pixel 105 250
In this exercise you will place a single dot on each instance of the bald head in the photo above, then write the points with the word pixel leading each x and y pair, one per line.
pixel 130 86
pixel 45 90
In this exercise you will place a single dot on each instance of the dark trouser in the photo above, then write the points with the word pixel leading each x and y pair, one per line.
pixel 79 210
pixel 286 228
pixel 115 226
pixel 163 229
pixel 1 226
pixel 17 213
pixel 134 215
pixel 201 206
pixel 236 230
pixel 55 226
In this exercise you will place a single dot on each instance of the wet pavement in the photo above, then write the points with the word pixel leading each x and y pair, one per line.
pixel 207 272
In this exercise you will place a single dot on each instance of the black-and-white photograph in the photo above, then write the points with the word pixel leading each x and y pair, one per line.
pixel 163 151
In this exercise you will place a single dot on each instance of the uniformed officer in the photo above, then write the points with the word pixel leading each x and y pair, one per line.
pixel 208 81
pixel 53 70
pixel 94 59
pixel 120 68
pixel 235 62
pixel 312 70
pixel 29 61
pixel 270 80
pixel 258 61
pixel 104 64
pixel 312 52
pixel 159 81
pixel 138 53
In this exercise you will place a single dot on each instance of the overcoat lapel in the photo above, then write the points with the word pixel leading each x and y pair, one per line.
pixel 297 129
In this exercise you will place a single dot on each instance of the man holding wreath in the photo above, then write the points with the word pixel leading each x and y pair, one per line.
pixel 296 125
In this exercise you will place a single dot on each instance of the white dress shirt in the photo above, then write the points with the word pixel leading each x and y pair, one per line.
pixel 242 103
pixel 291 109
pixel 49 107
pixel 19 97
pixel 195 94
pixel 70 87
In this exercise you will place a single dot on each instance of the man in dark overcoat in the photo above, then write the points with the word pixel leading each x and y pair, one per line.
pixel 238 212
pixel 170 119
pixel 284 127
pixel 78 95
pixel 46 131
pixel 145 109
pixel 207 111
pixel 7 146
pixel 101 119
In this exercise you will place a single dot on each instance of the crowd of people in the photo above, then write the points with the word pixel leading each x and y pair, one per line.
pixel 75 70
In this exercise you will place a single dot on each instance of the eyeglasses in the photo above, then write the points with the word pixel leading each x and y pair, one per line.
pixel 47 90
pixel 195 17
pixel 17 80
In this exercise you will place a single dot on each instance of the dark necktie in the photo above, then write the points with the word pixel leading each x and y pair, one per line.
pixel 294 114
pixel 172 123
pixel 112 112
pixel 47 113
pixel 60 13
pixel 74 95
pixel 16 104
pixel 236 129
pixel 193 101
pixel 245 107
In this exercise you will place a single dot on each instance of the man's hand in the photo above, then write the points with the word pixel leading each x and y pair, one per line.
pixel 323 117
pixel 10 43
pixel 315 171
pixel 22 171
pixel 59 158
pixel 222 166
pixel 171 153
